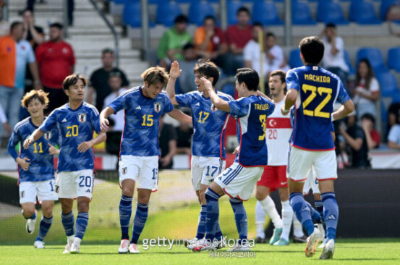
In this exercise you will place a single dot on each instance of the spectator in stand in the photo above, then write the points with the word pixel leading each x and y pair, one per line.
pixel 30 4
pixel 251 51
pixel 184 134
pixel 172 42
pixel 15 54
pixel 394 136
pixel 186 79
pixel 211 40
pixel 367 89
pixel 372 136
pixel 238 36
pixel 116 120
pixel 333 60
pixel 4 121
pixel 56 61
pixel 167 135
pixel 356 141
pixel 99 80
pixel 4 25
pixel 394 114
pixel 275 56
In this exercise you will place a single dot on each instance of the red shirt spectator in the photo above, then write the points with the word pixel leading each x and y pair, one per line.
pixel 238 36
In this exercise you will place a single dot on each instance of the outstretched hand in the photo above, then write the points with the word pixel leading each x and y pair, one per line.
pixel 175 72
pixel 206 83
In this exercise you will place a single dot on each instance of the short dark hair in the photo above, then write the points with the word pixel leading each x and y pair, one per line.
pixel 72 80
pixel 312 49
pixel 257 24
pixel 270 34
pixel 181 19
pixel 107 50
pixel 14 25
pixel 114 74
pixel 243 9
pixel 209 17
pixel 188 46
pixel 26 10
pixel 370 117
pixel 207 69
pixel 56 25
pixel 281 74
pixel 330 25
pixel 249 77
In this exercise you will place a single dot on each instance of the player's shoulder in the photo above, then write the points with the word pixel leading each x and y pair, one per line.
pixel 297 70
pixel 163 95
pixel 133 91
pixel 21 124
pixel 90 107
pixel 225 96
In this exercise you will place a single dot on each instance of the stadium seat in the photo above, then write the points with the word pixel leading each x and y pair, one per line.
pixel 301 14
pixel 331 12
pixel 131 15
pixel 228 89
pixel 396 97
pixel 363 13
pixel 295 59
pixel 262 8
pixel 387 84
pixel 233 6
pixel 385 5
pixel 375 58
pixel 167 12
pixel 352 70
pixel 198 11
pixel 393 58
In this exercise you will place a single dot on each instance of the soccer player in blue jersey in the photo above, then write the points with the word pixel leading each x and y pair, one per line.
pixel 313 90
pixel 35 165
pixel 138 165
pixel 75 122
pixel 238 181
pixel 208 152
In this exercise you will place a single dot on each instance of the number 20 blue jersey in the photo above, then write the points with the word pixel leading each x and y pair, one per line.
pixel 318 89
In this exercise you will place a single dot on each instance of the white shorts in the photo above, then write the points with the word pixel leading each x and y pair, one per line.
pixel 204 170
pixel 301 161
pixel 73 184
pixel 44 190
pixel 239 182
pixel 311 183
pixel 142 169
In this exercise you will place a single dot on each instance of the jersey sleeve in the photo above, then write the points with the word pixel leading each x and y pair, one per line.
pixel 118 103
pixel 184 100
pixel 95 120
pixel 14 140
pixel 238 108
pixel 168 105
pixel 292 80
pixel 343 97
pixel 271 108
pixel 55 138
pixel 49 123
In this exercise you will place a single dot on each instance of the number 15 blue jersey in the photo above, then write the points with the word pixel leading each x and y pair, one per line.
pixel 318 90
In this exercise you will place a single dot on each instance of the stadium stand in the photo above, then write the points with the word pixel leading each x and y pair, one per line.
pixel 198 11
pixel 262 8
pixel 166 13
pixel 374 56
pixel 393 58
pixel 331 12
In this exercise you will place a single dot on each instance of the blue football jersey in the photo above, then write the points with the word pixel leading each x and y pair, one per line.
pixel 251 115
pixel 209 123
pixel 142 115
pixel 318 89
pixel 42 165
pixel 75 127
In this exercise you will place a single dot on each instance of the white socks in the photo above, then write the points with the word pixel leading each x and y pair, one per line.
pixel 287 217
pixel 260 220
pixel 297 227
pixel 269 207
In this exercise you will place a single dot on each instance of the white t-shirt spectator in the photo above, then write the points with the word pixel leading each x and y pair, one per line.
pixel 251 53
pixel 394 134
pixel 119 116
pixel 278 60
pixel 373 87
pixel 336 60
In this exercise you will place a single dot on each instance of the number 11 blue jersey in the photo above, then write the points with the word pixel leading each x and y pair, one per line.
pixel 318 90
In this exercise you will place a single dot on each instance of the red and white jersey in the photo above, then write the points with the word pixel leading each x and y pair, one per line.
pixel 279 131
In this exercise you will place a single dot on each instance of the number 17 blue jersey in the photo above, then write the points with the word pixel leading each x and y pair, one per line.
pixel 318 89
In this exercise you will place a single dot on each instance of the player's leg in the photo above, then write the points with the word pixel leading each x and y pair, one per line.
pixel 27 199
pixel 287 216
pixel 260 223
pixel 196 172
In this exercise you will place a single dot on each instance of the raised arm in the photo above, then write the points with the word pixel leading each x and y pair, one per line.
pixel 218 102
pixel 180 116
pixel 33 137
pixel 174 73
pixel 290 99
pixel 344 110
pixel 104 123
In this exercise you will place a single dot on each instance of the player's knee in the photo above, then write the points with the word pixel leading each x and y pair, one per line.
pixel 28 211
pixel 260 195
pixel 127 191
pixel 83 205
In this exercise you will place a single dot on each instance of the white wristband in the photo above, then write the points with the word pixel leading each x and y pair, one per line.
pixel 332 118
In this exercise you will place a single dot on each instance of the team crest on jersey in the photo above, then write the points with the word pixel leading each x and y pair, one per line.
pixel 47 135
pixel 213 108
pixel 157 106
pixel 124 170
pixel 82 117
pixel 22 194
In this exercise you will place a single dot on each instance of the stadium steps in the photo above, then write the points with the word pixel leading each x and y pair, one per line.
pixel 89 36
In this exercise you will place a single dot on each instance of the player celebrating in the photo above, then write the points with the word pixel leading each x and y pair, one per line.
pixel 208 140
pixel 274 177
pixel 140 150
pixel 37 175
pixel 314 90
pixel 75 121
pixel 239 180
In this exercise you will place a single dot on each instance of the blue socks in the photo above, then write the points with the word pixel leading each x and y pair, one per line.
pixel 212 213
pixel 201 228
pixel 218 233
pixel 81 224
pixel 45 224
pixel 331 213
pixel 302 211
pixel 240 218
pixel 125 212
pixel 315 216
pixel 142 212
pixel 31 217
pixel 68 223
